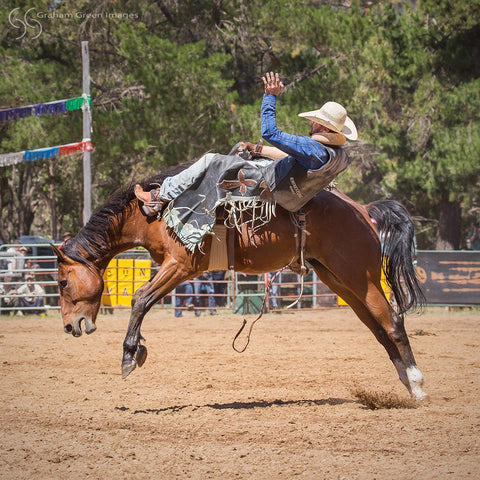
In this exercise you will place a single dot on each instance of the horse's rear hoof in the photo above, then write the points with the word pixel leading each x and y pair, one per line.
pixel 128 368
pixel 421 397
pixel 141 355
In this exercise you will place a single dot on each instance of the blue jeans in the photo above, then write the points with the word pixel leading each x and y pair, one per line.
pixel 172 187
pixel 218 276
pixel 206 281
pixel 274 291
pixel 181 291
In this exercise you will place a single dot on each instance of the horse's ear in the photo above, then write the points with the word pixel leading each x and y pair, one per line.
pixel 60 255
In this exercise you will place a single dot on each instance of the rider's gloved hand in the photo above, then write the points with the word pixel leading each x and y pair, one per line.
pixel 254 150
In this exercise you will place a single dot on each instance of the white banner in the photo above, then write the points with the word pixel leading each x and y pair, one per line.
pixel 7 159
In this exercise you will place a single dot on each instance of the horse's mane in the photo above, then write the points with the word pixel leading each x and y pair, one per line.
pixel 93 238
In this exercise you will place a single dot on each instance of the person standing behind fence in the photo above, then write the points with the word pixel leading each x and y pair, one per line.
pixel 474 237
pixel 14 262
pixel 274 290
pixel 183 296
pixel 6 261
pixel 66 237
pixel 220 287
pixel 205 280
pixel 21 261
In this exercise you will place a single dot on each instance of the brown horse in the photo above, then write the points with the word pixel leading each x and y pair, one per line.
pixel 343 247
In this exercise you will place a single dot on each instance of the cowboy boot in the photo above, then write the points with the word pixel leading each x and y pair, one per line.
pixel 153 203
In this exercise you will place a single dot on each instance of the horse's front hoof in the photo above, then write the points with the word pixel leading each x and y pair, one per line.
pixel 141 355
pixel 128 368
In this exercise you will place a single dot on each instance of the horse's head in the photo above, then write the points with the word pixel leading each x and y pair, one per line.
pixel 81 287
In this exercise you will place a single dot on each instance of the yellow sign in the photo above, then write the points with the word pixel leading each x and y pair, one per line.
pixel 122 278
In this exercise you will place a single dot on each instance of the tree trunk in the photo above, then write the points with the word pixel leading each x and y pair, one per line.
pixel 54 228
pixel 449 225
pixel 25 200
pixel 3 230
pixel 21 210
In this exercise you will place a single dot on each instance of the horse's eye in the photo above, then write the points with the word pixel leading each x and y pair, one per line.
pixel 63 283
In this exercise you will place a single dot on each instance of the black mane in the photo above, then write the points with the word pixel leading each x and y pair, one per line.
pixel 94 236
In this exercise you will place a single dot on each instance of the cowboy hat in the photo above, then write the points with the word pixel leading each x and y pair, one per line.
pixel 333 116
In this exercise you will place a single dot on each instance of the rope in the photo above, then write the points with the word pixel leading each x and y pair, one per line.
pixel 262 310
pixel 299 219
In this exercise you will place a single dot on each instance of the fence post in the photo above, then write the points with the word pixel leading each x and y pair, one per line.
pixel 87 128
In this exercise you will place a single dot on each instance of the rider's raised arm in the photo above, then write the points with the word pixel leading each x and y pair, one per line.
pixel 303 148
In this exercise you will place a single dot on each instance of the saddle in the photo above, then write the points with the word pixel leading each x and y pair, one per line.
pixel 222 252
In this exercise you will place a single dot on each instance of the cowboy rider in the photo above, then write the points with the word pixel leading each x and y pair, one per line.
pixel 304 164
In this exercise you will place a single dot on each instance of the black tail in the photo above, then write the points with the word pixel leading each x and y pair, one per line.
pixel 396 231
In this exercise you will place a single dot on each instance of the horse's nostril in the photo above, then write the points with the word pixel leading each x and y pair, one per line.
pixel 68 328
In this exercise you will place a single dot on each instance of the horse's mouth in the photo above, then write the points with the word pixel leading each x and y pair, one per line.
pixel 75 328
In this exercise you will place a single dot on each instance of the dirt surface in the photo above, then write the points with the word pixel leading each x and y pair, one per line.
pixel 284 409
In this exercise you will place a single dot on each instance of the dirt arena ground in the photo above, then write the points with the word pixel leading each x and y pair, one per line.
pixel 286 408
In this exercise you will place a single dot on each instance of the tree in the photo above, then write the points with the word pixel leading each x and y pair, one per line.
pixel 434 89
pixel 171 80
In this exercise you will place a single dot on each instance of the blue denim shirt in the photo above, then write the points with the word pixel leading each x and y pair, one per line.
pixel 311 154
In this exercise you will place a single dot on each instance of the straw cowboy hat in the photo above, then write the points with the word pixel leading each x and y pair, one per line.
pixel 333 116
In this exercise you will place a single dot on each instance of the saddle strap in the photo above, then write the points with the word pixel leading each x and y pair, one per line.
pixel 302 220
pixel 299 219
pixel 231 248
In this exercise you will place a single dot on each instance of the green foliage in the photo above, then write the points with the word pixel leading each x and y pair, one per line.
pixel 171 80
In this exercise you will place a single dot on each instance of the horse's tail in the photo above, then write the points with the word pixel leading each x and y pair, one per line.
pixel 396 231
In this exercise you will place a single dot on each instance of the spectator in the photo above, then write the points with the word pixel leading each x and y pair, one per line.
pixel 7 294
pixel 21 260
pixel 6 263
pixel 13 261
pixel 474 237
pixel 183 296
pixel 66 237
pixel 32 295
pixel 274 290
pixel 205 281
pixel 220 287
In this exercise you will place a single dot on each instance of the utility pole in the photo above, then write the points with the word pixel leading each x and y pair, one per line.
pixel 87 129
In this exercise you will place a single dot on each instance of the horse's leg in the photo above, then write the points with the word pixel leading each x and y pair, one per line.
pixel 170 275
pixel 396 344
pixel 394 326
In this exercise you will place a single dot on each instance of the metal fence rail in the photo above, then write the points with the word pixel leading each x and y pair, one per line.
pixel 231 291
pixel 226 290
pixel 18 262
